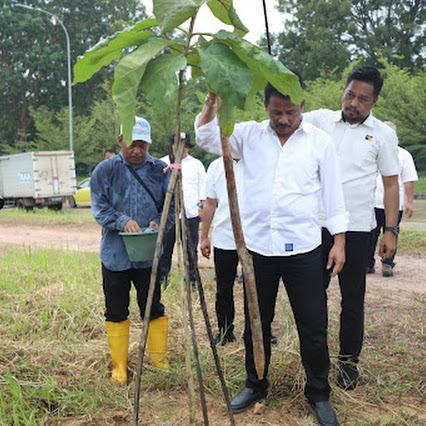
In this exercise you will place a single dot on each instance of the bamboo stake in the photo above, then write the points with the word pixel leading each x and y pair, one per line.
pixel 186 241
pixel 211 337
pixel 183 284
pixel 148 306
pixel 245 259
pixel 156 261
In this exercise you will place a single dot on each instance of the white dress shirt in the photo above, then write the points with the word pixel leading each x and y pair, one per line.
pixel 363 150
pixel 407 173
pixel 193 183
pixel 222 234
pixel 282 185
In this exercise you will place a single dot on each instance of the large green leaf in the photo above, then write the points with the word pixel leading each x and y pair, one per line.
pixel 193 59
pixel 226 74
pixel 128 74
pixel 159 80
pixel 111 48
pixel 226 114
pixel 225 11
pixel 172 13
pixel 264 67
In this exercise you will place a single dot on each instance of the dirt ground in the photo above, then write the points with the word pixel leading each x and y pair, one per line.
pixel 398 292
pixel 409 273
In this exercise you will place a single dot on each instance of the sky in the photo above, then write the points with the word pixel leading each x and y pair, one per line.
pixel 251 16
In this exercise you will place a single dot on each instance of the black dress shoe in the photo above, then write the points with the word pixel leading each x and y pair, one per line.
pixel 246 399
pixel 348 376
pixel 324 413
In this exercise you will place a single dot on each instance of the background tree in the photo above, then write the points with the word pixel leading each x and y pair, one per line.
pixel 403 102
pixel 94 132
pixel 325 35
pixel 33 65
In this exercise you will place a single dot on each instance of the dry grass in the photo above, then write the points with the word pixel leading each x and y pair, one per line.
pixel 54 362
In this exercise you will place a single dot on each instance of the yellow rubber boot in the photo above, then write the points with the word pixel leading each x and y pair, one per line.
pixel 118 338
pixel 157 342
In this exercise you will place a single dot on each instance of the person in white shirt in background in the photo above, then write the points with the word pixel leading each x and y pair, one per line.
pixel 365 146
pixel 406 178
pixel 225 254
pixel 287 166
pixel 193 183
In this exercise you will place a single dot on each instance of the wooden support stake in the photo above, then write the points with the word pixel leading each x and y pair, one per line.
pixel 245 259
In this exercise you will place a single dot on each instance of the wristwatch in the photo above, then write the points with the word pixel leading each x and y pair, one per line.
pixel 394 229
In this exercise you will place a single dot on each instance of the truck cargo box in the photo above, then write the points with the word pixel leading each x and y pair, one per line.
pixel 44 177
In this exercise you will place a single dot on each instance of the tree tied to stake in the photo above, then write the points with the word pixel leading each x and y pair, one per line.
pixel 234 69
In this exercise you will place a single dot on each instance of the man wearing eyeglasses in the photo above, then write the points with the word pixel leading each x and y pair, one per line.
pixel 365 147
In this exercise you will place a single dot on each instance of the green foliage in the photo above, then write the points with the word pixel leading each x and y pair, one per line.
pixel 222 67
pixel 403 101
pixel 171 13
pixel 323 93
pixel 110 49
pixel 163 124
pixel 92 133
pixel 224 10
pixel 420 186
pixel 233 68
pixel 324 35
pixel 256 113
pixel 160 80
pixel 412 242
pixel 33 58
pixel 127 76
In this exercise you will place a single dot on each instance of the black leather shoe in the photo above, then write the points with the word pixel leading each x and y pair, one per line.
pixel 274 340
pixel 245 399
pixel 348 376
pixel 324 413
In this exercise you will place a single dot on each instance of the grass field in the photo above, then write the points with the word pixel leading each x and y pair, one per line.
pixel 420 186
pixel 54 358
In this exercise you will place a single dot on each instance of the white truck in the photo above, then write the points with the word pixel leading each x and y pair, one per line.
pixel 37 179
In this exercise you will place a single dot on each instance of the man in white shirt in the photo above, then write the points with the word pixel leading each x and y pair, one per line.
pixel 406 178
pixel 193 182
pixel 287 164
pixel 365 147
pixel 225 254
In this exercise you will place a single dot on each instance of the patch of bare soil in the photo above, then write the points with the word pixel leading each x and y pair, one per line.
pixel 409 273
pixel 393 312
pixel 409 277
pixel 68 237
pixel 73 237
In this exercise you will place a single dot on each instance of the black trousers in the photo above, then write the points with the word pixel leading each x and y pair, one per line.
pixel 302 275
pixel 168 246
pixel 381 225
pixel 117 284
pixel 225 265
pixel 352 289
